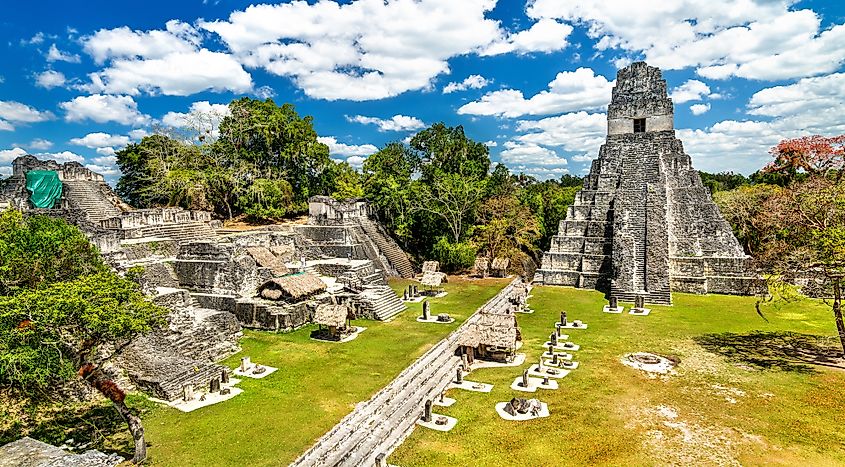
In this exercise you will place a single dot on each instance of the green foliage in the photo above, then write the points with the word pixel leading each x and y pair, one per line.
pixel 347 182
pixel 548 201
pixel 260 143
pixel 267 199
pixel 42 250
pixel 454 257
pixel 508 229
pixel 447 149
pixel 386 179
pixel 741 207
pixel 46 333
pixel 723 181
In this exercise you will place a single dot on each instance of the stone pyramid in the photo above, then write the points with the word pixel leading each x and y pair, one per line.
pixel 644 224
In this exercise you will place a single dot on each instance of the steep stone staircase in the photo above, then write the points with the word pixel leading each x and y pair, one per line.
pixel 87 196
pixel 380 301
pixel 397 258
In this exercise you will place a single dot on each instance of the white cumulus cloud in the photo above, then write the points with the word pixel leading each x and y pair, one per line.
pixel 570 91
pixel 56 55
pixel 100 140
pixel 103 108
pixel 691 90
pixel 12 113
pixel 49 79
pixel 470 82
pixel 698 109
pixel 394 123
pixel 342 149
pixel 546 35
pixel 170 62
pixel 753 39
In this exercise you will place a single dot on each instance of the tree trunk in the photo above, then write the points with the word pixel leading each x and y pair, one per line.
pixel 837 311
pixel 137 430
pixel 108 388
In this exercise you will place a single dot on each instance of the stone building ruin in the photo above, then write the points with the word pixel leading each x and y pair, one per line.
pixel 216 281
pixel 643 224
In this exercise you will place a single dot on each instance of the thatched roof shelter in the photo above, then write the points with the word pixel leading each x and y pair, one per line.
pixel 266 259
pixel 491 330
pixel 331 315
pixel 292 286
pixel 430 266
pixel 501 263
pixel 432 279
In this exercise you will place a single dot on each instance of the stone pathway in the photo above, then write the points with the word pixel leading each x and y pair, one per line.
pixel 379 425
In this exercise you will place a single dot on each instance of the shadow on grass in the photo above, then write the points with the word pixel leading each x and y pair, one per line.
pixel 782 350
pixel 95 425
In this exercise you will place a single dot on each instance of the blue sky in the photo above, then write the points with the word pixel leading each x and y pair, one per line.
pixel 82 79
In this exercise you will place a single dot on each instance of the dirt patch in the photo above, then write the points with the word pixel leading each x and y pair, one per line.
pixel 675 439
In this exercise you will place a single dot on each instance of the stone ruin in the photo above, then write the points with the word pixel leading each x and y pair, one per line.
pixel 216 281
pixel 643 224
pixel 28 452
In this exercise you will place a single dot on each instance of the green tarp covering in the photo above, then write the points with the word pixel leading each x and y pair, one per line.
pixel 45 186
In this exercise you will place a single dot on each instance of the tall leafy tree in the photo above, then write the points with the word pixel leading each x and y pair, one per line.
pixel 387 177
pixel 449 150
pixel 273 142
pixel 55 333
pixel 63 313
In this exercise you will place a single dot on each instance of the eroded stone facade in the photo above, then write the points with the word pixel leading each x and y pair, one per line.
pixel 644 224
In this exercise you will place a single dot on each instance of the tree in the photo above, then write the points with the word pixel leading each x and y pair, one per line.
pixel 41 249
pixel 507 228
pixel 722 181
pixel 51 334
pixel 742 207
pixel 268 199
pixel 447 149
pixel 815 155
pixel 272 142
pixel 804 225
pixel 387 183
pixel 548 201
pixel 346 181
pixel 450 197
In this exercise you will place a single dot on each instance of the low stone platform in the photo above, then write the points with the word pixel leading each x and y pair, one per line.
pixel 434 320
pixel 471 386
pixel 564 346
pixel 572 325
pixel 566 364
pixel 640 311
pixel 447 425
pixel 500 409
pixel 250 371
pixel 206 399
pixel 445 402
pixel 533 384
pixel 550 372
pixel 609 309
pixel 560 355
pixel 347 338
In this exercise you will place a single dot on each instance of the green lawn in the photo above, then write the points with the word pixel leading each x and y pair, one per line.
pixel 317 384
pixel 743 392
